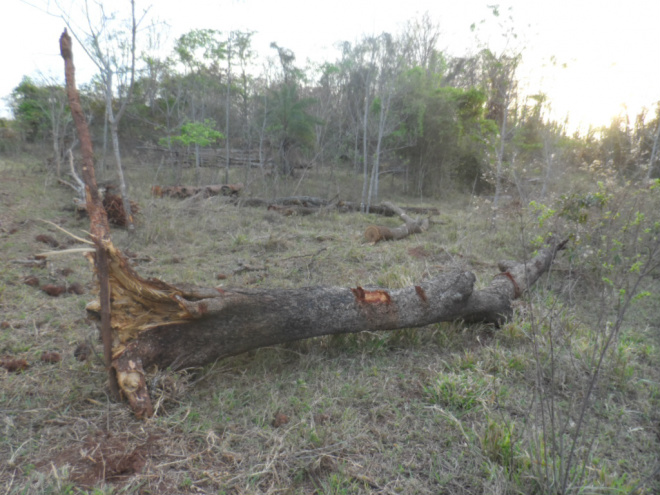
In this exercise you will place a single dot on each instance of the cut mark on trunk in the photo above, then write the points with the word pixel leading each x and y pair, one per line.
pixel 371 296
pixel 516 288
pixel 203 308
pixel 420 293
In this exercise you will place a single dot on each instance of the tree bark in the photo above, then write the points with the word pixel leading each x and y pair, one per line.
pixel 99 228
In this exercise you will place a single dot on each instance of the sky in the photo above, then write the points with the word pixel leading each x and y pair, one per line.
pixel 593 58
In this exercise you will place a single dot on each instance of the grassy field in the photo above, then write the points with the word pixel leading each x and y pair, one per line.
pixel 565 398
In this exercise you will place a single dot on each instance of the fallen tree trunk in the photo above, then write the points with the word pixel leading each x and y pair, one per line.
pixel 183 192
pixel 309 204
pixel 386 210
pixel 155 323
pixel 293 210
pixel 377 233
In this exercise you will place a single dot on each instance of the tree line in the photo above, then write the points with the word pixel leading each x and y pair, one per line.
pixel 388 104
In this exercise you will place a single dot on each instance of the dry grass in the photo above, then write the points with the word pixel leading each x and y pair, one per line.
pixel 444 409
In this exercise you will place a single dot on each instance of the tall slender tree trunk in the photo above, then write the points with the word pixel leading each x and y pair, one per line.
pixel 365 151
pixel 500 160
pixel 262 134
pixel 654 151
pixel 548 167
pixel 227 113
pixel 105 141
pixel 56 148
pixel 198 163
pixel 356 150
pixel 248 129
pixel 114 133
pixel 373 183
pixel 375 169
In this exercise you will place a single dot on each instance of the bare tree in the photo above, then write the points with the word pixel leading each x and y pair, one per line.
pixel 421 38
pixel 373 69
pixel 500 76
pixel 245 54
pixel 230 48
pixel 55 107
pixel 200 52
pixel 392 57
pixel 112 49
pixel 654 151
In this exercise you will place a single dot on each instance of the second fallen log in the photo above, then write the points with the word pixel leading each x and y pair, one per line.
pixel 182 192
pixel 377 233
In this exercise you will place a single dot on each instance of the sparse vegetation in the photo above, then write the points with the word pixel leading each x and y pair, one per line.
pixel 562 399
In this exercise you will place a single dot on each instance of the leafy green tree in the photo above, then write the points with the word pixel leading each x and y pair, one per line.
pixel 201 50
pixel 500 84
pixel 290 124
pixel 9 138
pixel 202 93
pixel 27 101
pixel 615 145
pixel 238 46
pixel 373 69
pixel 200 134
pixel 290 73
pixel 287 116
pixel 450 142
pixel 196 93
pixel 330 135
pixel 41 111
pixel 538 142
pixel 196 134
